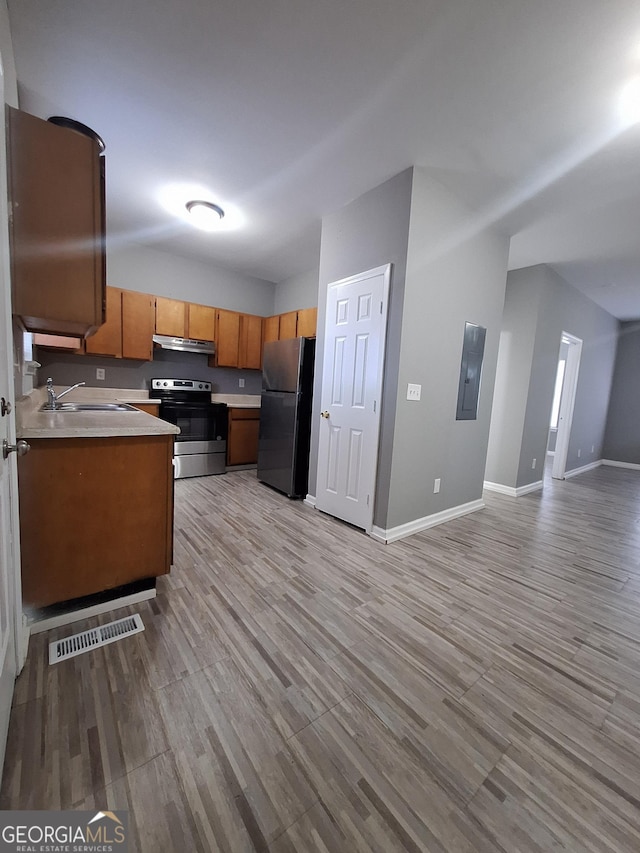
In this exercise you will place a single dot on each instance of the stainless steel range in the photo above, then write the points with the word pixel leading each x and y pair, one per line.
pixel 201 447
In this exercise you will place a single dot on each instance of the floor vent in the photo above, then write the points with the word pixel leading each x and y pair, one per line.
pixel 77 644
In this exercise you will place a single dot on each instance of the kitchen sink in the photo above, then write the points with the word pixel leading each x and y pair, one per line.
pixel 90 407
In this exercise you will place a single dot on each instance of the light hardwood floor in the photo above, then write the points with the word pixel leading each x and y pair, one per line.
pixel 300 687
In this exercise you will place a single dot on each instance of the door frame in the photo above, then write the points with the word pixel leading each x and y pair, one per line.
pixel 567 404
pixel 18 636
pixel 385 271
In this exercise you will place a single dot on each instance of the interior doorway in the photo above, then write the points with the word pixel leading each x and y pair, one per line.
pixel 565 398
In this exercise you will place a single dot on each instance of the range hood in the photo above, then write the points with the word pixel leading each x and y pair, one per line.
pixel 184 344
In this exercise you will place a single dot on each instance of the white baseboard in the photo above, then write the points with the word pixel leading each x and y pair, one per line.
pixel 87 612
pixel 512 491
pixel 632 465
pixel 589 467
pixel 411 527
pixel 310 500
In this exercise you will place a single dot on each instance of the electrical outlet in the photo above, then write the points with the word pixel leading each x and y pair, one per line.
pixel 240 383
pixel 436 485
pixel 579 453
pixel 100 373
pixel 413 391
pixel 533 463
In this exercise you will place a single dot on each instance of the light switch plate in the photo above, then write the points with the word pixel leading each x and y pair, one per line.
pixel 413 391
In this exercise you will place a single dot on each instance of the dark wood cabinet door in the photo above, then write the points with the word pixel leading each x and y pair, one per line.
pixel 307 321
pixel 271 328
pixel 138 321
pixel 288 325
pixel 55 185
pixel 242 446
pixel 227 338
pixel 202 322
pixel 171 317
pixel 108 339
pixel 250 341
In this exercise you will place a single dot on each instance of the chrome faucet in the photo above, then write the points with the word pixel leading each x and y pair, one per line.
pixel 52 402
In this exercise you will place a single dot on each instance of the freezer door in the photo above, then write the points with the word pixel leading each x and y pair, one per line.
pixel 281 365
pixel 277 441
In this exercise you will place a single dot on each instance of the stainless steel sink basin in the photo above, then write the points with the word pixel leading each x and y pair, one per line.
pixel 90 407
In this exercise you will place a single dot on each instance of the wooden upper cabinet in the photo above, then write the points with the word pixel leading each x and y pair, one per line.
pixel 271 328
pixel 250 353
pixel 288 325
pixel 108 339
pixel 201 322
pixel 227 338
pixel 56 193
pixel 138 321
pixel 171 317
pixel 307 322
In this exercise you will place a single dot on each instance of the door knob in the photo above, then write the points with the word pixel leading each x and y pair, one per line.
pixel 324 414
pixel 20 448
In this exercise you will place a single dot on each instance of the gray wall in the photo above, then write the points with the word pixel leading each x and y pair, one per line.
pixel 558 307
pixel 515 356
pixel 456 272
pixel 369 232
pixel 8 64
pixel 136 267
pixel 299 291
pixel 445 271
pixel 622 436
pixel 67 369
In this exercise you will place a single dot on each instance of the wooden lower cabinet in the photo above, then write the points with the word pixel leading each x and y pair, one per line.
pixel 242 441
pixel 149 408
pixel 95 513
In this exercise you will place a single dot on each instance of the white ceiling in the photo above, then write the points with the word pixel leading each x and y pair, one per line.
pixel 289 109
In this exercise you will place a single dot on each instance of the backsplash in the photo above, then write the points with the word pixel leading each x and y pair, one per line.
pixel 67 369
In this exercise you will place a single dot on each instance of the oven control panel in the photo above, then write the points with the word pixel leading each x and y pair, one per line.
pixel 180 385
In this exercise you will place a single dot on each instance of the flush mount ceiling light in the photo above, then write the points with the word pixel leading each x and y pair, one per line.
pixel 629 103
pixel 204 214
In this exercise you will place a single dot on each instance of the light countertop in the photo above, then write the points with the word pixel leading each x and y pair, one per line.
pixel 32 423
pixel 238 401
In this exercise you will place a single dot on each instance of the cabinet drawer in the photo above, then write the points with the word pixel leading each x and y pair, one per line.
pixel 244 414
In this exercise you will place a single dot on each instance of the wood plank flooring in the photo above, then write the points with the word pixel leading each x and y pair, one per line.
pixel 300 688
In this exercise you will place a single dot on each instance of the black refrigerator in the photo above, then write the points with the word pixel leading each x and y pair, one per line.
pixel 285 415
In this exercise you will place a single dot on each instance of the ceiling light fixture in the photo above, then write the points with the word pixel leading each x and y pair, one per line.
pixel 204 214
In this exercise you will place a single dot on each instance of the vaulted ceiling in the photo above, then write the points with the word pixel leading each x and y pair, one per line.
pixel 284 111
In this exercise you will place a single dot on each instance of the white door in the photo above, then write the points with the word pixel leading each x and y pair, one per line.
pixel 567 403
pixel 354 340
pixel 9 573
